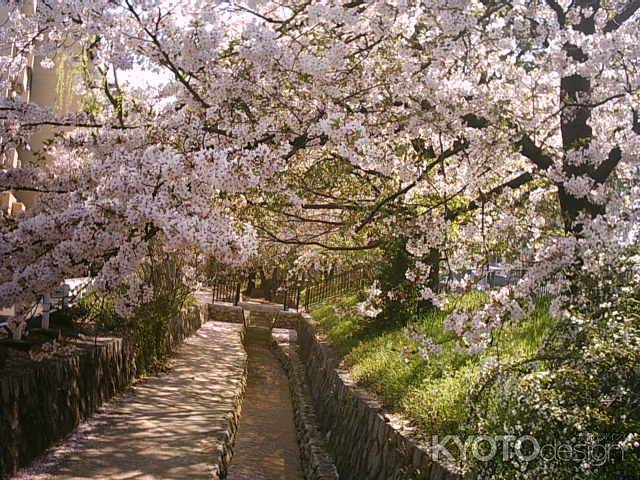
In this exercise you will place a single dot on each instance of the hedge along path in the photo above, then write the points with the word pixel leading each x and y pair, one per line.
pixel 168 427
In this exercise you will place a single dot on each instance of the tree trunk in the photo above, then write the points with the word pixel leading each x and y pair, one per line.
pixel 433 259
pixel 251 283
pixel 575 97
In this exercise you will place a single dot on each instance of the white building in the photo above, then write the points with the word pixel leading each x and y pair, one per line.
pixel 47 87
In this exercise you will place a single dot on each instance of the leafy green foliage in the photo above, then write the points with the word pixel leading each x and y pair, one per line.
pixel 147 328
pixel 88 309
pixel 405 300
pixel 434 393
pixel 581 392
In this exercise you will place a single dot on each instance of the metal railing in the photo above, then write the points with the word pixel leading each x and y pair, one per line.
pixel 334 286
pixel 226 290
pixel 66 294
pixel 291 297
pixel 297 293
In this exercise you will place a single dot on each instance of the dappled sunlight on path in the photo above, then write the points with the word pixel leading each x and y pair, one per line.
pixel 167 427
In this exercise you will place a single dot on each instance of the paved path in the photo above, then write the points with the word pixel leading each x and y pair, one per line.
pixel 167 427
pixel 266 446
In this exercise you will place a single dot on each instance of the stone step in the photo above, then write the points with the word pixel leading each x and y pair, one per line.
pixel 262 319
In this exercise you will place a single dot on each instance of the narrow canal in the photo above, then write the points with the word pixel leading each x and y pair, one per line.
pixel 266 447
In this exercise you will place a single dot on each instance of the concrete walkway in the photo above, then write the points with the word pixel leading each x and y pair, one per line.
pixel 167 427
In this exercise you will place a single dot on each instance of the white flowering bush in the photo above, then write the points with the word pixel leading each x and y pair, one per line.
pixel 371 306
pixel 578 397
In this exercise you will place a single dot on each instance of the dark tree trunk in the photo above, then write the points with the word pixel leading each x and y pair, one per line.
pixel 433 259
pixel 265 284
pixel 251 283
pixel 575 97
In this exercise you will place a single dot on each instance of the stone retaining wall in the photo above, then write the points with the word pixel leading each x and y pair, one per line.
pixel 288 320
pixel 225 312
pixel 360 436
pixel 316 462
pixel 224 453
pixel 40 403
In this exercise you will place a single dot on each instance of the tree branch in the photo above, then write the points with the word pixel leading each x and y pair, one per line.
pixel 291 241
pixel 626 13
pixel 459 146
pixel 174 69
pixel 560 13
pixel 605 168
pixel 515 182
pixel 534 153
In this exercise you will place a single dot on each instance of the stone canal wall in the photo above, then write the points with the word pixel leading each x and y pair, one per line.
pixel 316 462
pixel 40 403
pixel 364 441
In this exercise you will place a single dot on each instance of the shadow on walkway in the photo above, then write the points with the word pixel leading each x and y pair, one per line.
pixel 166 427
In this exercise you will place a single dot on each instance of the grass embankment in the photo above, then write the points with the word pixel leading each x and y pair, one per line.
pixel 432 393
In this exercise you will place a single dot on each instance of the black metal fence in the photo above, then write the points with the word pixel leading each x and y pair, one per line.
pixel 305 293
pixel 334 286
pixel 226 290
pixel 290 296
pixel 297 293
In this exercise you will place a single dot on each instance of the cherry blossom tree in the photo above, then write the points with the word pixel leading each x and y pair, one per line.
pixel 489 121
pixel 452 124
pixel 562 85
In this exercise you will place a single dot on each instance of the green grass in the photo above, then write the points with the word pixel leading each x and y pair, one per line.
pixel 433 393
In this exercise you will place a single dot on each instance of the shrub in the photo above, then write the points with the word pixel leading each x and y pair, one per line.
pixel 580 394
pixel 89 308
pixel 147 328
pixel 149 324
pixel 402 299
